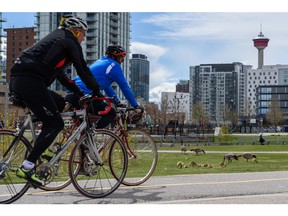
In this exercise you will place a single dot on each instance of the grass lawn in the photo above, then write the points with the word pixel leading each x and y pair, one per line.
pixel 277 160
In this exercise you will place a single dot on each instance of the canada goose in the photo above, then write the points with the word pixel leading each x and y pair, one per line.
pixel 230 156
pixel 197 150
pixel 222 163
pixel 194 164
pixel 180 164
pixel 248 156
pixel 183 149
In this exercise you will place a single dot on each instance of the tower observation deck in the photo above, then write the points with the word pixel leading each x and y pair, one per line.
pixel 260 43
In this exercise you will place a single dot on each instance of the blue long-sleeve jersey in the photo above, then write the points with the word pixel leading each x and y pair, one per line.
pixel 106 71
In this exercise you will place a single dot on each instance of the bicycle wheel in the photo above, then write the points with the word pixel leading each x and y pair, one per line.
pixel 11 186
pixel 142 156
pixel 95 179
pixel 56 177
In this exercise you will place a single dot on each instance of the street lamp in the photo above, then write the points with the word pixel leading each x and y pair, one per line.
pixel 177 98
pixel 261 123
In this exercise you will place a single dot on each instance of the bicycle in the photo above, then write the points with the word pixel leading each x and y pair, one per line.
pixel 95 154
pixel 141 147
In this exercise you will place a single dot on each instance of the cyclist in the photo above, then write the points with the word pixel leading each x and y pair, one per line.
pixel 107 69
pixel 36 69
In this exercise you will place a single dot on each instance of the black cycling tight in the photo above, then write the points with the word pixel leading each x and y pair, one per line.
pixel 42 103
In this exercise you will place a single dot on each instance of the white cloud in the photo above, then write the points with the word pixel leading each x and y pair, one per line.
pixel 155 93
pixel 153 52
pixel 159 74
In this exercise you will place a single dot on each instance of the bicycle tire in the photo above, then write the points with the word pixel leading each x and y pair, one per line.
pixel 142 156
pixel 97 180
pixel 11 186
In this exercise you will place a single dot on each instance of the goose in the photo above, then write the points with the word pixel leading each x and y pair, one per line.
pixel 180 164
pixel 248 156
pixel 222 163
pixel 197 150
pixel 183 149
pixel 230 156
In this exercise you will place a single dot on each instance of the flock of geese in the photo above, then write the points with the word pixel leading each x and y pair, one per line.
pixel 227 157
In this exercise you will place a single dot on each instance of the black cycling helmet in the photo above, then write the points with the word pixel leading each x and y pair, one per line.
pixel 115 51
pixel 70 21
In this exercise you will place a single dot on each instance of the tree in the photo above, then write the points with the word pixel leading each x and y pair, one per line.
pixel 274 115
pixel 153 112
pixel 199 114
pixel 231 115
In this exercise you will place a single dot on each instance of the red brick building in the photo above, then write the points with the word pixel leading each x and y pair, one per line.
pixel 18 39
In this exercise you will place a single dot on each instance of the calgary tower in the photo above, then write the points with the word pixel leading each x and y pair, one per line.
pixel 260 43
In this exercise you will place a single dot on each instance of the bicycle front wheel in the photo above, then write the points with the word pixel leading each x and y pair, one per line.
pixel 11 186
pixel 94 178
pixel 142 156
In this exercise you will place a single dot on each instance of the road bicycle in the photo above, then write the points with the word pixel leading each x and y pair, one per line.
pixel 97 156
pixel 141 147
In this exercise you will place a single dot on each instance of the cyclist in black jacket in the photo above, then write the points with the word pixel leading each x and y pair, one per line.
pixel 36 69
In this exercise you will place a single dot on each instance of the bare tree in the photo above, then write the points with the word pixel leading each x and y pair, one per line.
pixel 248 109
pixel 164 110
pixel 153 112
pixel 198 113
pixel 274 115
pixel 231 115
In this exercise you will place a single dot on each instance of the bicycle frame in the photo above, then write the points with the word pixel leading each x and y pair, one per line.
pixel 83 127
pixel 76 133
pixel 121 129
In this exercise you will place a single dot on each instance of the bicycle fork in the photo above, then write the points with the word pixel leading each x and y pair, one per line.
pixel 92 146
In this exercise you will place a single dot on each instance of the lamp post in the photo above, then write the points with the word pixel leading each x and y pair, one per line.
pixel 261 123
pixel 177 98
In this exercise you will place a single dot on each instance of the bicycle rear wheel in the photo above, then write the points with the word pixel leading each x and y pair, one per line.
pixel 95 179
pixel 11 186
pixel 56 177
pixel 142 156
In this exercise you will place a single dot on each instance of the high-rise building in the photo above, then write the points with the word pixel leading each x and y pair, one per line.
pixel 104 28
pixel 2 52
pixel 3 48
pixel 219 87
pixel 266 94
pixel 183 86
pixel 18 39
pixel 266 76
pixel 140 76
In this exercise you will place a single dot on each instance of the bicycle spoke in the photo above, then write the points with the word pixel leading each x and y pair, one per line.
pixel 142 157
pixel 11 186
pixel 98 180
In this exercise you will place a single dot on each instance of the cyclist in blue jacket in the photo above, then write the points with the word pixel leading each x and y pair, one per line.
pixel 106 70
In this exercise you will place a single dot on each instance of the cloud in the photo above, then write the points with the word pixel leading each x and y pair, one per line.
pixel 159 74
pixel 155 93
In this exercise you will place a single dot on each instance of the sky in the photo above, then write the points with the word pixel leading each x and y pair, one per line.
pixel 174 41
